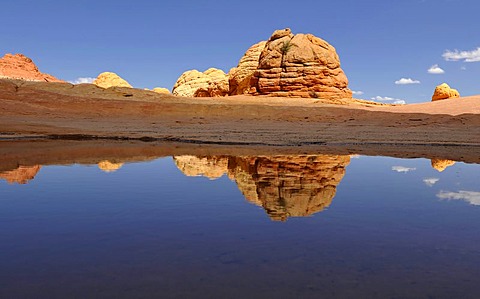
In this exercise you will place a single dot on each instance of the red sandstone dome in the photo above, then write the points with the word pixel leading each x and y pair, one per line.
pixel 19 66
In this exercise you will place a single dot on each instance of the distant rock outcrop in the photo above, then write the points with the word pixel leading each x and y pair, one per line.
pixel 109 79
pixel 211 83
pixel 161 90
pixel 107 166
pixel 285 186
pixel 18 66
pixel 240 77
pixel 443 91
pixel 300 65
pixel 21 175
pixel 441 164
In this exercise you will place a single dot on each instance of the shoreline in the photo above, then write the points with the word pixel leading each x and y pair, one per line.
pixel 15 153
pixel 62 111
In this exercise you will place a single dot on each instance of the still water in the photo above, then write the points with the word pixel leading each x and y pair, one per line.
pixel 316 226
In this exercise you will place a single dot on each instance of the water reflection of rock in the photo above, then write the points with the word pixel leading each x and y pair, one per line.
pixel 285 186
pixel 24 174
pixel 210 167
pixel 107 166
pixel 441 164
pixel 21 175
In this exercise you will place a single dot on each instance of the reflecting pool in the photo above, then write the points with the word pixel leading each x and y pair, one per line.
pixel 281 226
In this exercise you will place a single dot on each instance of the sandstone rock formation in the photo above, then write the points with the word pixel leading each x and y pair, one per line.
pixel 300 65
pixel 211 83
pixel 107 166
pixel 161 90
pixel 441 165
pixel 21 175
pixel 240 77
pixel 285 186
pixel 109 79
pixel 443 91
pixel 19 66
pixel 210 167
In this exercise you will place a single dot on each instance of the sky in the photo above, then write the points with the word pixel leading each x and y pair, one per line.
pixel 390 50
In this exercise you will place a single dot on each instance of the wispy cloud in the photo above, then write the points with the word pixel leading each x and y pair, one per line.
pixel 389 99
pixel 463 68
pixel 403 169
pixel 466 56
pixel 430 181
pixel 469 196
pixel 357 93
pixel 406 81
pixel 436 70
pixel 82 80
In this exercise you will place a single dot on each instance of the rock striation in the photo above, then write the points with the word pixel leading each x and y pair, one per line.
pixel 240 77
pixel 285 186
pixel 109 79
pixel 443 91
pixel 289 186
pixel 299 65
pixel 211 83
pixel 21 175
pixel 19 66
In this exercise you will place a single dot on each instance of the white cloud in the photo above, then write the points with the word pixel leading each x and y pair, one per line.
pixel 402 169
pixel 405 81
pixel 383 99
pixel 357 93
pixel 466 56
pixel 469 196
pixel 355 156
pixel 436 70
pixel 463 68
pixel 82 80
pixel 389 99
pixel 430 181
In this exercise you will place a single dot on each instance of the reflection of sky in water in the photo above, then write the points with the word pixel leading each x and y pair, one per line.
pixel 148 230
pixel 468 196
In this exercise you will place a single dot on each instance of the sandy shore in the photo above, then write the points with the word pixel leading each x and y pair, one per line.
pixel 65 111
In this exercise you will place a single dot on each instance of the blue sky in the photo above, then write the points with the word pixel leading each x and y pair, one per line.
pixel 151 43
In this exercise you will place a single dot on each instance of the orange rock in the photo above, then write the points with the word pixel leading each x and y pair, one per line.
pixel 19 66
pixel 441 165
pixel 21 175
pixel 109 79
pixel 214 89
pixel 300 65
pixel 211 83
pixel 161 90
pixel 443 91
pixel 240 77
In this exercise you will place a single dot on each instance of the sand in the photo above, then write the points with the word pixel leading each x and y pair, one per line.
pixel 62 111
